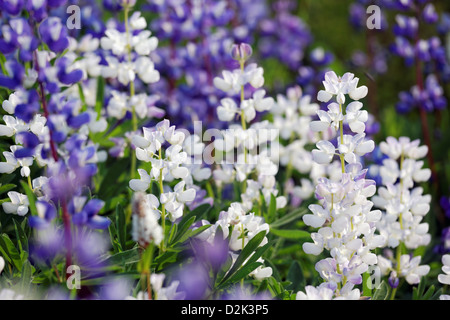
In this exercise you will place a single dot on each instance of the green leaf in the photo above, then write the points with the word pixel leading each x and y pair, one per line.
pixel 7 187
pixel 26 278
pixel 182 229
pixel 382 292
pixel 121 226
pixel 272 208
pixel 245 253
pixel 241 273
pixel 100 96
pixel 288 218
pixel 367 290
pixel 125 257
pixel 10 252
pixel 291 234
pixel 192 233
pixel 187 221
pixel 31 198
pixel 296 277
pixel 22 238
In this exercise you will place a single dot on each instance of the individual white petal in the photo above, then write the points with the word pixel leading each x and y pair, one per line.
pixel 359 93
pixel 313 220
pixel 318 126
pixel 311 248
pixel 324 96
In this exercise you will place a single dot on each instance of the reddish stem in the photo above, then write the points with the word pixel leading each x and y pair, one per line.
pixel 67 235
pixel 65 213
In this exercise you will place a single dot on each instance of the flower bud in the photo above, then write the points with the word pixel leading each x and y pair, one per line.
pixel 241 52
pixel 393 280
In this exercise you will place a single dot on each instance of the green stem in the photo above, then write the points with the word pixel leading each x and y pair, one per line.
pixel 244 126
pixel 341 130
pixel 132 90
pixel 163 206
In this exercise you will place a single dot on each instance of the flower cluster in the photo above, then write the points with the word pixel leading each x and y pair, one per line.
pixel 166 165
pixel 345 217
pixel 445 278
pixel 403 203
pixel 292 116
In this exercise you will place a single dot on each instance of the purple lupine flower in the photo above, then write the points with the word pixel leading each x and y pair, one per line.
pixel 29 141
pixel 87 213
pixel 46 213
pixel 37 9
pixel 65 75
pixel 115 288
pixel 213 254
pixel 429 14
pixel 54 34
pixel 47 244
pixel 13 79
pixel 18 35
pixel 12 7
pixel 194 281
pixel 26 110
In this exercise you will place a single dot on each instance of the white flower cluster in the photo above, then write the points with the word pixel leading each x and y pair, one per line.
pixel 128 59
pixel 168 164
pixel 292 116
pixel 345 217
pixel 239 227
pixel 445 277
pixel 253 153
pixel 145 228
pixel 404 205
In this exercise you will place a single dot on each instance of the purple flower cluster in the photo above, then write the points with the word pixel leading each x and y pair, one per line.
pixel 428 55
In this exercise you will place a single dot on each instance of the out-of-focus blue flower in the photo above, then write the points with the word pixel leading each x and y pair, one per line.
pixel 86 213
pixel 29 141
pixel 54 34
pixel 46 213
pixel 194 281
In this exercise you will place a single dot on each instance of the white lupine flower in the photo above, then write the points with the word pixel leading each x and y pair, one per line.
pixel 115 41
pixel 141 184
pixel 445 278
pixel 340 86
pixel 145 225
pixel 2 264
pixel 175 200
pixel 118 104
pixel 355 117
pixel 331 118
pixel 146 71
pixel 227 110
pixel 12 163
pixel 411 270
pixel 229 82
pixel 137 22
pixel 163 293
pixel 325 152
pixel 313 293
pixel 8 294
pixel 18 205
pixel 344 217
pixel 404 205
